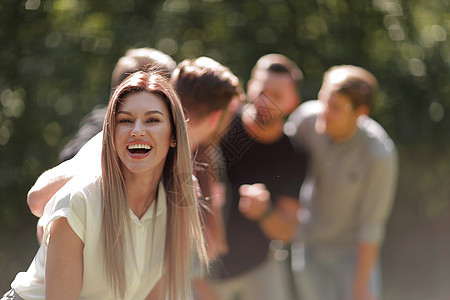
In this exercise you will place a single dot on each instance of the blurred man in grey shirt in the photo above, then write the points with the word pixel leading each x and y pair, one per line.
pixel 350 186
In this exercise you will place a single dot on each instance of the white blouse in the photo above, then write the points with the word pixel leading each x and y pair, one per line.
pixel 79 201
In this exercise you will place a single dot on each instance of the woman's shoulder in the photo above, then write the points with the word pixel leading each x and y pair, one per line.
pixel 78 201
pixel 80 191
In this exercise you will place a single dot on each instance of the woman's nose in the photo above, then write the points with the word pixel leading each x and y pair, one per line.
pixel 137 129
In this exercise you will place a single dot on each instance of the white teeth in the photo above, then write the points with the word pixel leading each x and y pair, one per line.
pixel 139 146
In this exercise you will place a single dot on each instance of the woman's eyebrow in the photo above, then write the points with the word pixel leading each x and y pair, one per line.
pixel 150 112
pixel 123 112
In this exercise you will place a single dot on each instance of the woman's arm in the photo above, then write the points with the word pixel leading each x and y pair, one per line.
pixel 64 266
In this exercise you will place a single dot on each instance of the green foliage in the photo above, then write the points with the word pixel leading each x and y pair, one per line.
pixel 57 57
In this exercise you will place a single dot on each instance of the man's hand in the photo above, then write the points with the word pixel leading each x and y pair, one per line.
pixel 255 201
pixel 366 295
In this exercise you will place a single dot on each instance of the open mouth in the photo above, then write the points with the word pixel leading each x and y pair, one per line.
pixel 139 148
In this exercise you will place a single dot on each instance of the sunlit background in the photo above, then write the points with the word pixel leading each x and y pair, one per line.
pixel 56 58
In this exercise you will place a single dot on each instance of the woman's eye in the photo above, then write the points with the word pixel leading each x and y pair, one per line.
pixel 153 120
pixel 125 121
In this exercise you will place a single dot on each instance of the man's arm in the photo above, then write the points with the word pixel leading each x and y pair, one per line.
pixel 379 188
pixel 367 257
pixel 157 292
pixel 87 160
pixel 203 290
pixel 64 265
pixel 281 223
pixel 46 186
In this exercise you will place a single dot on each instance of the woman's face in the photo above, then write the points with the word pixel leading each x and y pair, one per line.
pixel 143 133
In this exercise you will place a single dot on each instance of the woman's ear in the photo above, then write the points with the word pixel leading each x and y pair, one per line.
pixel 173 143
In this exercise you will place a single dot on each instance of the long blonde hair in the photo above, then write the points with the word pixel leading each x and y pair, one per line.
pixel 183 227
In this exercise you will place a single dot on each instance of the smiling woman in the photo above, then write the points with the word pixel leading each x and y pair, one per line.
pixel 143 134
pixel 128 232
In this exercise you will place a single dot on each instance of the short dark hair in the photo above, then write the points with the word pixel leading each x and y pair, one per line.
pixel 355 82
pixel 135 59
pixel 204 85
pixel 358 91
pixel 278 63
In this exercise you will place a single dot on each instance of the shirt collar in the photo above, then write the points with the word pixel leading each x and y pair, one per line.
pixel 160 203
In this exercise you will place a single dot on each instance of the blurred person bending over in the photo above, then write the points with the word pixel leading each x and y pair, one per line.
pixel 52 180
pixel 265 174
pixel 348 193
pixel 133 60
pixel 209 93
